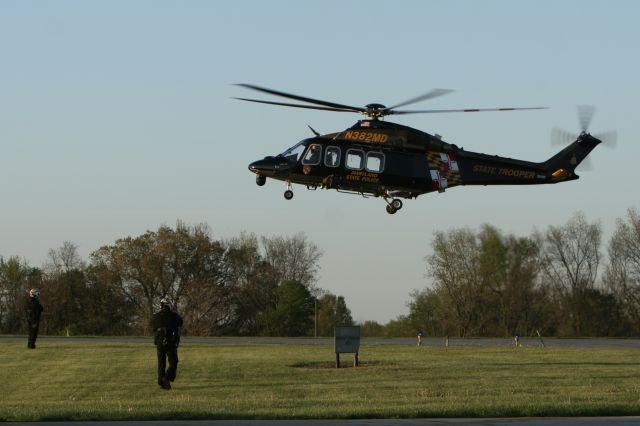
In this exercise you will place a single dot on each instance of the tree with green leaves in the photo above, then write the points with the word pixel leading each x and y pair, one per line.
pixel 427 313
pixel 16 277
pixel 509 265
pixel 292 314
pixel 484 284
pixel 184 263
pixel 332 312
pixel 454 267
pixel 255 281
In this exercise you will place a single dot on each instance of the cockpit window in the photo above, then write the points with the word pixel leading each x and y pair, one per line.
pixel 294 153
pixel 313 155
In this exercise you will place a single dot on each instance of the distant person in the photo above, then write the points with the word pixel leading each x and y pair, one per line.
pixel 516 341
pixel 420 335
pixel 166 326
pixel 34 310
pixel 332 158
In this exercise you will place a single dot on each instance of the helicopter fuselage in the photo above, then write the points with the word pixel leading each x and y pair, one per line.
pixel 385 159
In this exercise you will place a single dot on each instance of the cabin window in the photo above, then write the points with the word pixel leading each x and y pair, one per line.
pixel 375 162
pixel 332 156
pixel 355 159
pixel 312 156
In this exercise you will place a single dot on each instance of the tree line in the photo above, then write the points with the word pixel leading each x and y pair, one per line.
pixel 483 282
pixel 488 283
pixel 240 286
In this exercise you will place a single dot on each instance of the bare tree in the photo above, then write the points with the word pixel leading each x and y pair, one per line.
pixel 622 273
pixel 295 258
pixel 570 257
pixel 64 259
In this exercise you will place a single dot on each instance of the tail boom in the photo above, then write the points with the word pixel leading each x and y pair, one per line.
pixel 482 169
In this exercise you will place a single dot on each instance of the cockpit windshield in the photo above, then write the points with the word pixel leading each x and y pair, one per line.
pixel 294 153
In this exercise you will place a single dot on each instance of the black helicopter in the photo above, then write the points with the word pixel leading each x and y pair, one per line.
pixel 383 159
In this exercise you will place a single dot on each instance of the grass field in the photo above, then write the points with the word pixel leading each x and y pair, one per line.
pixel 109 381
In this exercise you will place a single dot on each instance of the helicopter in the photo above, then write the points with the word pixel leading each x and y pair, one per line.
pixel 382 159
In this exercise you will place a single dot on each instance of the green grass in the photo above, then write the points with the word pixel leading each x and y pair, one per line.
pixel 108 381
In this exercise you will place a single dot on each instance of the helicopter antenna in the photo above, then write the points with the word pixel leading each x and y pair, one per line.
pixel 313 130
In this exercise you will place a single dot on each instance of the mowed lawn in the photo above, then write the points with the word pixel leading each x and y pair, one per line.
pixel 111 381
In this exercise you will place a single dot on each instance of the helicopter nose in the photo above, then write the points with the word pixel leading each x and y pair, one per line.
pixel 261 166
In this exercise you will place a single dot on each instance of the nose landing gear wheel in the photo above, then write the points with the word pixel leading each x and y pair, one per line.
pixel 260 180
pixel 390 209
pixel 288 194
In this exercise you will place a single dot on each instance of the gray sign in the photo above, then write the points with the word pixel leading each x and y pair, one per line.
pixel 347 339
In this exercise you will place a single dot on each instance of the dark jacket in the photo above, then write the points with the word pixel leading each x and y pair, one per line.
pixel 34 309
pixel 166 326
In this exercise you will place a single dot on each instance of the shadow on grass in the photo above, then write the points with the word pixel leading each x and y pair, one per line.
pixel 344 363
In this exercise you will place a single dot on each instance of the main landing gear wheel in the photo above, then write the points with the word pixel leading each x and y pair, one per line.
pixel 260 180
pixel 288 194
pixel 396 203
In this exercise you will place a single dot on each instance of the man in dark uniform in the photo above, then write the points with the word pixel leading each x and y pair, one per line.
pixel 34 309
pixel 166 326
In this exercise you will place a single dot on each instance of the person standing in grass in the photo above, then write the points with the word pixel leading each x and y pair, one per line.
pixel 34 310
pixel 166 325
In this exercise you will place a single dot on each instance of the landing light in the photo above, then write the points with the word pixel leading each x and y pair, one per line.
pixel 560 173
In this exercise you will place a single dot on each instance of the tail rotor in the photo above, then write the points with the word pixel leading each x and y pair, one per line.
pixel 585 116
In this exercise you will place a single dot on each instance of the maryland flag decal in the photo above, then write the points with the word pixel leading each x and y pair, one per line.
pixel 444 170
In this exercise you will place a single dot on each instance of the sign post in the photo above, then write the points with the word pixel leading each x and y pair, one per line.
pixel 347 340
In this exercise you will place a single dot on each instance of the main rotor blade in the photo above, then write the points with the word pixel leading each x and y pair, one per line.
pixel 461 110
pixel 297 105
pixel 429 95
pixel 301 98
pixel 585 114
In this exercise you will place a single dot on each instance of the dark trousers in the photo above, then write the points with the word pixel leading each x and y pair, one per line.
pixel 33 335
pixel 172 354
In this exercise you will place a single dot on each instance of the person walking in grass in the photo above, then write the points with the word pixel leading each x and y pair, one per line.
pixel 34 310
pixel 166 326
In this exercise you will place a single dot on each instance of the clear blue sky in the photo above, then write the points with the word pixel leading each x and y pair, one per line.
pixel 116 117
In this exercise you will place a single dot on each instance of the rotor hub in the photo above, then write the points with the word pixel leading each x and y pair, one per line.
pixel 375 110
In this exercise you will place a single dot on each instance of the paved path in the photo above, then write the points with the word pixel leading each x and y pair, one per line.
pixel 432 341
pixel 527 421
